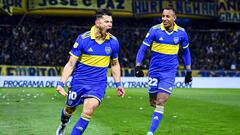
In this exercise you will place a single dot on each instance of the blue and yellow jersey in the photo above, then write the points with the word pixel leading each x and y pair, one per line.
pixel 93 57
pixel 165 46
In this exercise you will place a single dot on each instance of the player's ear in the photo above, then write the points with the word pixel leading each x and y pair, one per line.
pixel 97 22
pixel 175 18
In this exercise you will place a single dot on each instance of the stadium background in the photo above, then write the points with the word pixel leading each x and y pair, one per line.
pixel 36 36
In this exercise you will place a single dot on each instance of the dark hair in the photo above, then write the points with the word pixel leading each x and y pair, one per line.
pixel 102 12
pixel 170 8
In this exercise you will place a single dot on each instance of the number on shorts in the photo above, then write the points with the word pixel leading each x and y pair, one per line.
pixel 72 95
pixel 152 81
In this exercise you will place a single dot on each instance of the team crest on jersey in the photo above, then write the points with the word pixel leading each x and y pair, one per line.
pixel 176 39
pixel 107 49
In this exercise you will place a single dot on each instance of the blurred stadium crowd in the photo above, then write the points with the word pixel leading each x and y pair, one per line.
pixel 46 41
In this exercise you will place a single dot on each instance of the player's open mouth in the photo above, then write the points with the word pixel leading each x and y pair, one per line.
pixel 108 30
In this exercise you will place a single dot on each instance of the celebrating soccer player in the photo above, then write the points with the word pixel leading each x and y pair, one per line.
pixel 164 39
pixel 90 57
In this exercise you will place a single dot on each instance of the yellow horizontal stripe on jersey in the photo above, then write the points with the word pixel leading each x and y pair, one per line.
pixel 165 48
pixel 95 60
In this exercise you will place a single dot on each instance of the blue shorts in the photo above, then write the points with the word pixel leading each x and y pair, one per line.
pixel 77 94
pixel 161 84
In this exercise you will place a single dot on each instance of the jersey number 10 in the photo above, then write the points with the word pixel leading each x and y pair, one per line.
pixel 72 95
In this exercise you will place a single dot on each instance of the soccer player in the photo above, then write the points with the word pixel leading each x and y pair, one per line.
pixel 89 59
pixel 165 40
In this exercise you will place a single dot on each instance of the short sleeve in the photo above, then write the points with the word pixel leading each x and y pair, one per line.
pixel 115 48
pixel 77 47
pixel 149 37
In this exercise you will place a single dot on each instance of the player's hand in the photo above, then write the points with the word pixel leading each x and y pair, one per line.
pixel 188 77
pixel 61 91
pixel 120 91
pixel 138 72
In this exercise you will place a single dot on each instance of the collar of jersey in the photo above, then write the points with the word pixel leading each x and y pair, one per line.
pixel 93 36
pixel 175 27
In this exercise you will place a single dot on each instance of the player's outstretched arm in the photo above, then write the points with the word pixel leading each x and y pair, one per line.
pixel 67 71
pixel 116 76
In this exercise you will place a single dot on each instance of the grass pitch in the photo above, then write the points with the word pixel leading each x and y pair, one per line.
pixel 36 111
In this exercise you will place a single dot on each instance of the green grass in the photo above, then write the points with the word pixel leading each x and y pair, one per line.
pixel 36 111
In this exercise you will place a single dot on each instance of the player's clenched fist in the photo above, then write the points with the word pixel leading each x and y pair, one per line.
pixel 138 72
pixel 60 89
pixel 120 91
pixel 188 77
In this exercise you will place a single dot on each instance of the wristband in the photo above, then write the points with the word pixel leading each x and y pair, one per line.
pixel 61 84
pixel 118 84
